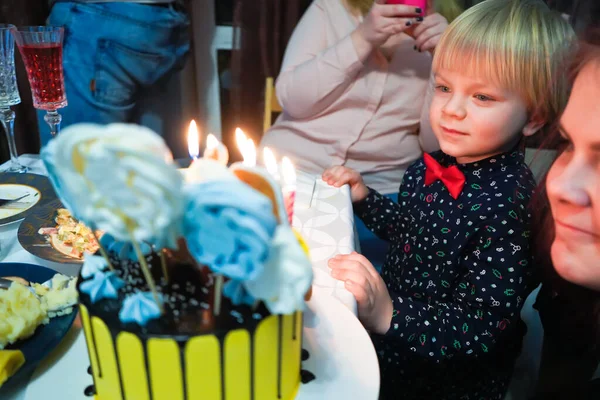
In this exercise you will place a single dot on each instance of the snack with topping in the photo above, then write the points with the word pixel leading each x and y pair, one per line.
pixel 71 237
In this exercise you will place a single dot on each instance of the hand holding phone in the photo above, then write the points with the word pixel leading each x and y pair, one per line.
pixel 422 4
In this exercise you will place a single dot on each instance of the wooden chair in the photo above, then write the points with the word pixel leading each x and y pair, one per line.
pixel 271 103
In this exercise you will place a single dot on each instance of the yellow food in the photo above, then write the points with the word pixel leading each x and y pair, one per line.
pixel 17 279
pixel 20 314
pixel 63 292
pixel 10 362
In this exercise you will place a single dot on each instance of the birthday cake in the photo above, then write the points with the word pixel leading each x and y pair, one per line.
pixel 198 287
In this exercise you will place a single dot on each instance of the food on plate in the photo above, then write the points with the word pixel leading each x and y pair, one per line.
pixel 63 291
pixel 20 314
pixel 10 362
pixel 21 311
pixel 17 279
pixel 70 236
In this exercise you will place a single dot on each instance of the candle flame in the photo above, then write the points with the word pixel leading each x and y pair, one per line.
pixel 246 147
pixel 211 142
pixel 270 161
pixel 193 140
pixel 288 172
pixel 240 139
pixel 250 154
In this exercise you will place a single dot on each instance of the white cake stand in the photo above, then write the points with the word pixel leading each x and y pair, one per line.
pixel 342 358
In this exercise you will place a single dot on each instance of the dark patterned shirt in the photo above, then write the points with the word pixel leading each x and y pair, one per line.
pixel 458 272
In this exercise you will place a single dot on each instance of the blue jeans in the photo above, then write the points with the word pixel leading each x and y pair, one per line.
pixel 371 246
pixel 114 56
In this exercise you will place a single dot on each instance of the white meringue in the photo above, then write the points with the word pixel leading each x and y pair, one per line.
pixel 118 178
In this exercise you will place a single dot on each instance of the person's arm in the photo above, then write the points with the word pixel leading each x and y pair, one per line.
pixel 313 75
pixel 485 302
pixel 380 214
pixel 427 139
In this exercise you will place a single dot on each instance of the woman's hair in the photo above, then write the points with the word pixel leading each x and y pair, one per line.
pixel 585 18
pixel 519 45
pixel 450 9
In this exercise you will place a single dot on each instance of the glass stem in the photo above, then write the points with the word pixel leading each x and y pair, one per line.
pixel 7 116
pixel 53 119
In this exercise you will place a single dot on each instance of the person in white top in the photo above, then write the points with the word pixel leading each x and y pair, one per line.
pixel 353 88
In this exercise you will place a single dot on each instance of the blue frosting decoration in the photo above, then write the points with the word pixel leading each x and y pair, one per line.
pixel 229 226
pixel 92 265
pixel 104 285
pixel 139 308
pixel 237 293
pixel 123 250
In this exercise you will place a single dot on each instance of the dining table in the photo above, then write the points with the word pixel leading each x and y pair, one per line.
pixel 322 215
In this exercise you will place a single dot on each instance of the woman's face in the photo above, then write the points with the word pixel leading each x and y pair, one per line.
pixel 574 184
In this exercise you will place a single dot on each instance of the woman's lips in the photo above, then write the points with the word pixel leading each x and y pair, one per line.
pixel 576 230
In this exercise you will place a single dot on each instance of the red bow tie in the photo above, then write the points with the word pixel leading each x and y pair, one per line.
pixel 452 177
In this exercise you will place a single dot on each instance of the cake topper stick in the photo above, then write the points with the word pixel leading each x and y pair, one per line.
pixel 218 293
pixel 146 272
pixel 102 249
pixel 163 265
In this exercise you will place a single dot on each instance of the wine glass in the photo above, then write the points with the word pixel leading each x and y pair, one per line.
pixel 41 50
pixel 9 94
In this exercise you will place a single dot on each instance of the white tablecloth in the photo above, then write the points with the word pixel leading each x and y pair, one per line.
pixel 322 214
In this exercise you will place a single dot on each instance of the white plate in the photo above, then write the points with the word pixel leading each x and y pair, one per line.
pixel 342 358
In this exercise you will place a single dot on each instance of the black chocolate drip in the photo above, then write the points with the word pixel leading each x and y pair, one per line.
pixel 251 365
pixel 279 355
pixel 222 347
pixel 306 376
pixel 188 312
pixel 89 391
pixel 294 327
pixel 95 347
pixel 305 355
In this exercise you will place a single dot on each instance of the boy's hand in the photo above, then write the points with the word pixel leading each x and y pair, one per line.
pixel 339 175
pixel 375 306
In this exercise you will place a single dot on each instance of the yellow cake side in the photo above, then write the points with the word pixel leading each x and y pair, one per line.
pixel 243 365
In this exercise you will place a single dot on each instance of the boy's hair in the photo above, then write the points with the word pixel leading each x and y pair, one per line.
pixel 520 45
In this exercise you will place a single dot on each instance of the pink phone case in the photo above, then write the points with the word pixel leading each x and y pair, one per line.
pixel 422 4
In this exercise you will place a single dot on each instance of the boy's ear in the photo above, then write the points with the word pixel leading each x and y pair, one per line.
pixel 533 125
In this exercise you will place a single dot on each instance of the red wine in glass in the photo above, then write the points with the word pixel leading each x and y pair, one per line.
pixel 43 62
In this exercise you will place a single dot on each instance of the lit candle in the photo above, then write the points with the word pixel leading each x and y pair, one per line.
pixel 246 147
pixel 215 150
pixel 205 168
pixel 193 140
pixel 271 164
pixel 288 187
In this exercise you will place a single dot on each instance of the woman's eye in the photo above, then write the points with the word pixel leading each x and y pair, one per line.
pixel 564 145
pixel 442 88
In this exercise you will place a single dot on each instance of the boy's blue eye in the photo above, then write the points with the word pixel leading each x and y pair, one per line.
pixel 482 97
